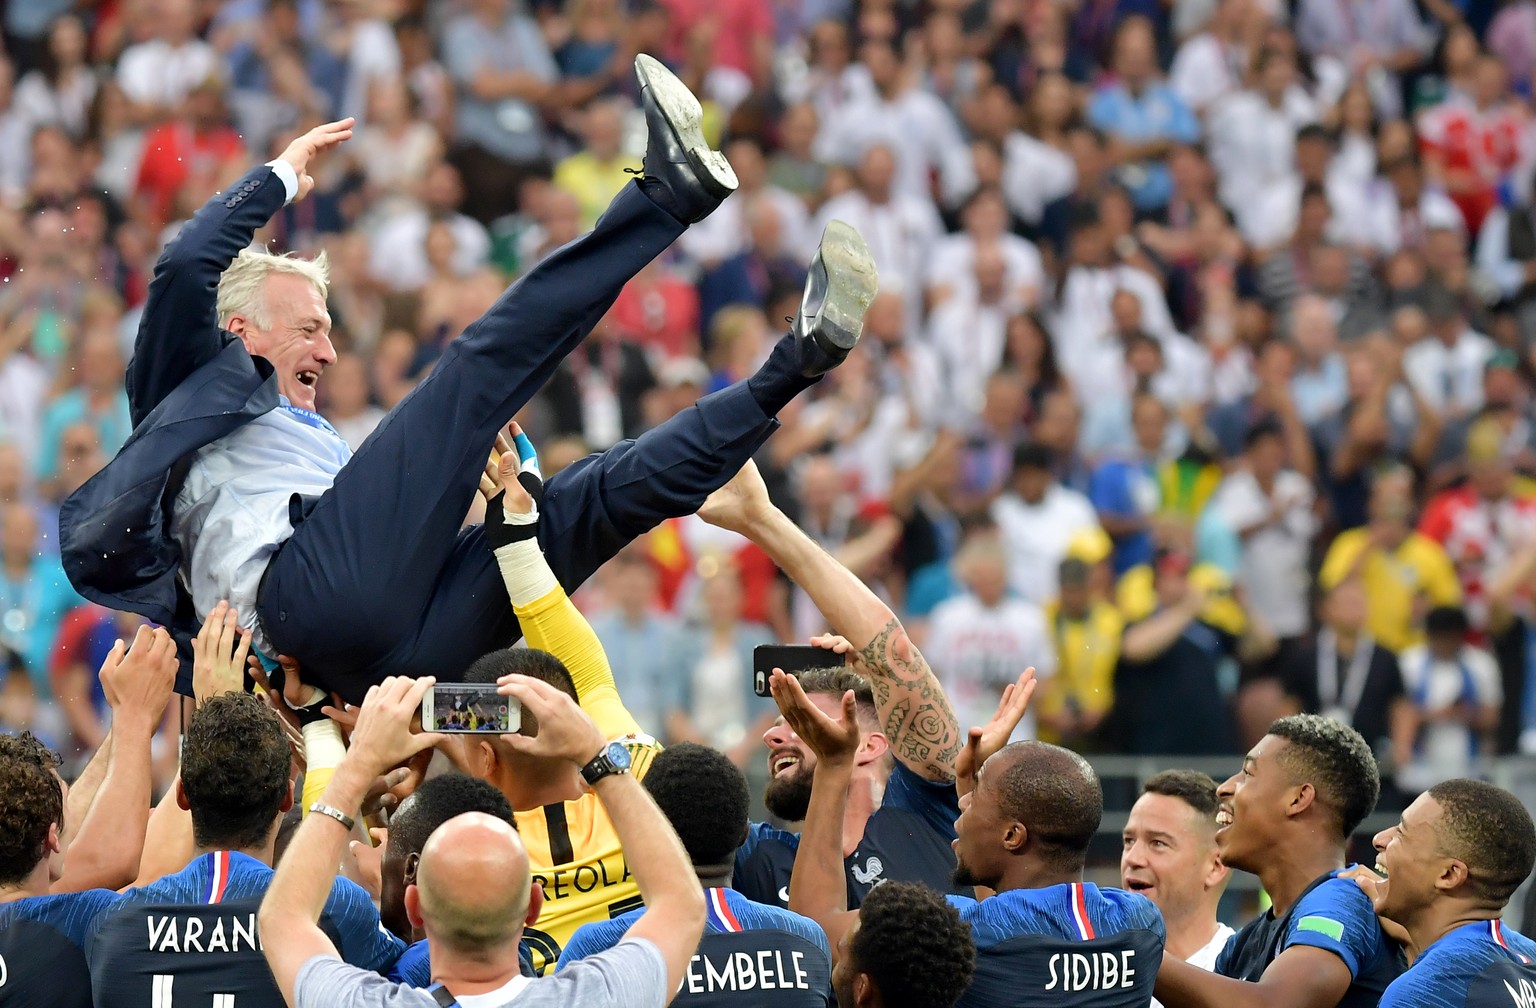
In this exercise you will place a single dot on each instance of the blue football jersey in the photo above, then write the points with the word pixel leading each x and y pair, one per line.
pixel 907 839
pixel 414 967
pixel 192 937
pixel 750 954
pixel 1071 945
pixel 1478 965
pixel 1333 914
pixel 42 949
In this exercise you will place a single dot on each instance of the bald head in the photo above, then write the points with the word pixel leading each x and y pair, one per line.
pixel 1054 793
pixel 473 885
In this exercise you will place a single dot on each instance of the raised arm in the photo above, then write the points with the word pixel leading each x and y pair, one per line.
pixel 138 681
pixel 179 331
pixel 549 619
pixel 915 714
pixel 818 888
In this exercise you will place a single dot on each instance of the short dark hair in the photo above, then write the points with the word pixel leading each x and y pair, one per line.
pixel 234 769
pixel 1336 760
pixel 31 800
pixel 836 682
pixel 1033 455
pixel 531 662
pixel 704 795
pixel 1447 621
pixel 913 946
pixel 1314 131
pixel 1056 795
pixel 1490 830
pixel 1193 788
pixel 439 799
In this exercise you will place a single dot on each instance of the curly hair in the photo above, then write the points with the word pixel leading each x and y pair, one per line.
pixel 913 946
pixel 704 796
pixel 234 770
pixel 1488 829
pixel 1334 759
pixel 31 800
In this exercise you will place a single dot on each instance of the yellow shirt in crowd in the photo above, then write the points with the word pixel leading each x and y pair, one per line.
pixel 573 849
pixel 1394 582
pixel 1086 652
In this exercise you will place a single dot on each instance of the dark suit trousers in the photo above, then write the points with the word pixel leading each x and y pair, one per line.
pixel 379 578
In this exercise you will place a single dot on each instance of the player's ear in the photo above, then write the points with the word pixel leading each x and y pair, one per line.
pixel 413 906
pixel 865 994
pixel 1453 875
pixel 535 904
pixel 1015 837
pixel 874 746
pixel 1215 872
pixel 55 845
pixel 181 797
pixel 483 757
pixel 1302 798
pixel 287 798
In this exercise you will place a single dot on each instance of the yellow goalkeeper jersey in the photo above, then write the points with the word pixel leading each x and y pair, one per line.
pixel 573 849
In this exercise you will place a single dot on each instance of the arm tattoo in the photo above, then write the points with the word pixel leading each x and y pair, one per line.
pixel 915 714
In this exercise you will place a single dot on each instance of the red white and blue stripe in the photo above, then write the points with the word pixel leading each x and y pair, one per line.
pixel 1080 913
pixel 719 913
pixel 1496 932
pixel 218 876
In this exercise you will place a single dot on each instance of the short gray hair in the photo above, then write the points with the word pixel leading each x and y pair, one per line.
pixel 240 288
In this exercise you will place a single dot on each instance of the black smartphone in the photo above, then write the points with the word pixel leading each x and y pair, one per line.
pixel 470 709
pixel 790 658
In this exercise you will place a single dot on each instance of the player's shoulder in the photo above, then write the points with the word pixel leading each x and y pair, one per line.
pixel 348 899
pixel 598 936
pixel 1334 895
pixel 763 836
pixel 754 916
pixel 68 913
pixel 1124 910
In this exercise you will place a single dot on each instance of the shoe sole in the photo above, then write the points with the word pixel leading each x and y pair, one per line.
pixel 849 281
pixel 686 117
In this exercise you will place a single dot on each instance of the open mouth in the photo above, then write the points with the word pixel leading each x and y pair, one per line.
pixel 1138 885
pixel 308 378
pixel 1379 870
pixel 1223 817
pixel 783 763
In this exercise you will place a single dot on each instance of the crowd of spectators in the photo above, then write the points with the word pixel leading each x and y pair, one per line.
pixel 1200 377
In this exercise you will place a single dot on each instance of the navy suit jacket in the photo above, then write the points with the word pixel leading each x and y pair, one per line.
pixel 189 383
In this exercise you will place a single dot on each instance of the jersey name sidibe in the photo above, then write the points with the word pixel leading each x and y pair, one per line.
pixel 1079 971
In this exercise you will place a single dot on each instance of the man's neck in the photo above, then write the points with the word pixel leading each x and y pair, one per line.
pixel 1030 874
pixel 865 792
pixel 1345 641
pixel 714 876
pixel 552 789
pixel 1292 867
pixel 464 976
pixel 1442 917
pixel 266 853
pixel 1189 933
pixel 35 884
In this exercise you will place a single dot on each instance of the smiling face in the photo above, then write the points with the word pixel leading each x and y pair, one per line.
pixel 296 338
pixel 792 765
pixel 1168 854
pixel 1410 856
pixel 1253 806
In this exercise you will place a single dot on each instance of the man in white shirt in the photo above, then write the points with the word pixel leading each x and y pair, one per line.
pixel 158 74
pixel 983 639
pixel 1253 133
pixel 1037 517
pixel 1455 692
pixel 1169 855
pixel 1446 366
pixel 984 221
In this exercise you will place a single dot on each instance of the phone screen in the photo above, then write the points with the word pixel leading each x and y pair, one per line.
pixel 469 708
pixel 790 658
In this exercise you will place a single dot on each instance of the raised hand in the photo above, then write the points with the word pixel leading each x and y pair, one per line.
pixel 564 730
pixel 138 679
pixel 982 743
pixel 832 740
pixel 219 654
pixel 303 150
pixel 740 504
pixel 383 737
pixel 512 486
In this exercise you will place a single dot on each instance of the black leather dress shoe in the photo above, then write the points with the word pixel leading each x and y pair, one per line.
pixel 676 153
pixel 838 290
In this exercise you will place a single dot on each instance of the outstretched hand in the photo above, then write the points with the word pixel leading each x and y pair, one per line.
pixel 740 504
pixel 834 741
pixel 562 729
pixel 981 744
pixel 219 654
pixel 138 679
pixel 383 737
pixel 303 150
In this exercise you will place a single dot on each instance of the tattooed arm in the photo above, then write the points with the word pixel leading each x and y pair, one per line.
pixel 915 715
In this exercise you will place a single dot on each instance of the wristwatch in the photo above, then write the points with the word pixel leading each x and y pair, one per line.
pixel 613 759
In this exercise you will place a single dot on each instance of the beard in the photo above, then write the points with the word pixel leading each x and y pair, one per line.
pixel 789 797
pixel 964 877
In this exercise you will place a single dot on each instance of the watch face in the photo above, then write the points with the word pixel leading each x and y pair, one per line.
pixel 618 754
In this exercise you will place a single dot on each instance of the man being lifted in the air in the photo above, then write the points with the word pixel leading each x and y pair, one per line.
pixel 233 487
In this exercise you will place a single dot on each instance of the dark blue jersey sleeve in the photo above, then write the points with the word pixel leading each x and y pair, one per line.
pixel 364 940
pixel 599 936
pixel 1338 917
pixel 935 801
